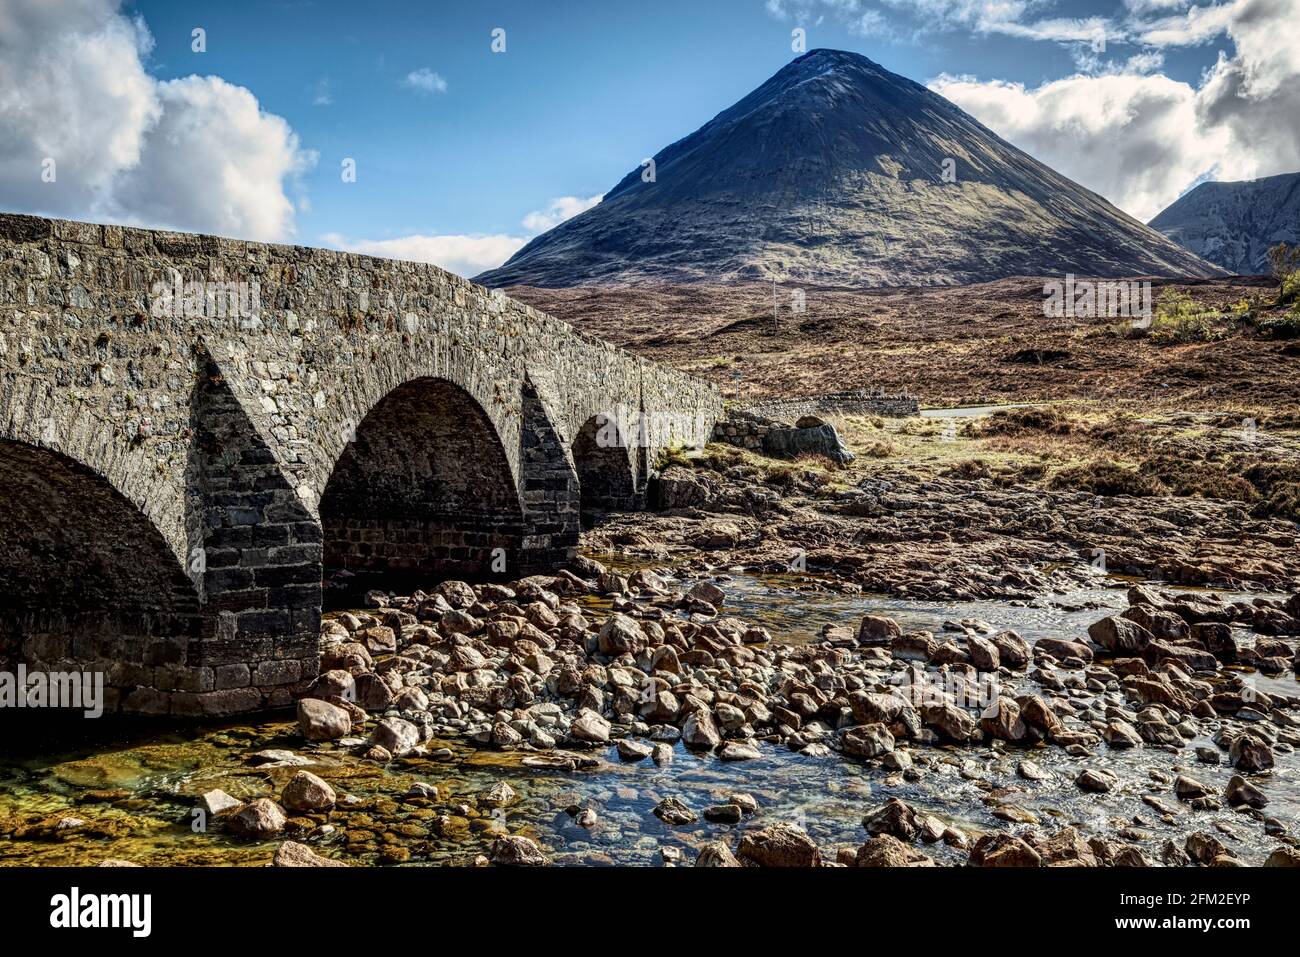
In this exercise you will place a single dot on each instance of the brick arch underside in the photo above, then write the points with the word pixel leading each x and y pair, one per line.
pixel 86 579
pixel 424 491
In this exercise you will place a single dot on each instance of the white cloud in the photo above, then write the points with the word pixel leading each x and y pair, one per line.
pixel 1133 139
pixel 857 16
pixel 1006 17
pixel 1152 6
pixel 464 255
pixel 193 153
pixel 1092 30
pixel 1141 140
pixel 566 207
pixel 425 80
pixel 1146 62
pixel 1196 26
pixel 214 162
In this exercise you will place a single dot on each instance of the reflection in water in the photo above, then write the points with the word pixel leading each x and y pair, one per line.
pixel 129 793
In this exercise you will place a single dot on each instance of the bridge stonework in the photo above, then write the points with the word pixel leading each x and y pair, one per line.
pixel 176 484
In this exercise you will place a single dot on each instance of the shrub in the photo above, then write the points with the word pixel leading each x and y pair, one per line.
pixel 1180 319
pixel 1283 261
pixel 1283 502
pixel 1290 288
pixel 1047 420
pixel 1285 326
pixel 1107 478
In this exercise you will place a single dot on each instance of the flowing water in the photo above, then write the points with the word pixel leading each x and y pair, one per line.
pixel 128 791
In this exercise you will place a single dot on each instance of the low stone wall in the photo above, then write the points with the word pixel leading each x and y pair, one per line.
pixel 854 402
pixel 744 429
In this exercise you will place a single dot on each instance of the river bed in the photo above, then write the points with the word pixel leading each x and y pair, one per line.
pixel 127 791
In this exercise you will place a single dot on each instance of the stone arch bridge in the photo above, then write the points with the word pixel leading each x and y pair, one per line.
pixel 196 433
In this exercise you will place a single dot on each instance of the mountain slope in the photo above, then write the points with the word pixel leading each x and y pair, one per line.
pixel 1233 225
pixel 832 173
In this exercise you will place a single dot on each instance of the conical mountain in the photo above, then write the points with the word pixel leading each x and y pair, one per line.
pixel 837 172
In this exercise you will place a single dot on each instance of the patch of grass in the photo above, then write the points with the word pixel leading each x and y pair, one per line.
pixel 879 450
pixel 1046 420
pixel 1200 480
pixel 920 426
pixel 1001 474
pixel 804 475
pixel 673 456
pixel 716 456
pixel 812 460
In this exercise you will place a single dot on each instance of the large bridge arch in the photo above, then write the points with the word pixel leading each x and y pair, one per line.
pixel 423 488
pixel 45 416
pixel 88 581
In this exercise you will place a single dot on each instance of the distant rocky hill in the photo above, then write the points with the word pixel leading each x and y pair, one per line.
pixel 837 172
pixel 1233 225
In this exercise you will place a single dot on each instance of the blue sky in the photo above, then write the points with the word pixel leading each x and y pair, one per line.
pixel 584 91
pixel 454 141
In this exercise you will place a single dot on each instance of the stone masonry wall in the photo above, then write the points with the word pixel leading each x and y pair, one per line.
pixel 856 402
pixel 208 440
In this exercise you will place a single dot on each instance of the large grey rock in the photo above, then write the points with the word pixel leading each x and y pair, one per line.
pixel 792 443
pixel 590 727
pixel 259 819
pixel 306 792
pixel 397 736
pixel 321 721
pixel 293 854
pixel 700 733
pixel 779 845
pixel 516 851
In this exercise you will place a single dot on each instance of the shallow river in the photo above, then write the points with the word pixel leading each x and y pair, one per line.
pixel 128 793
